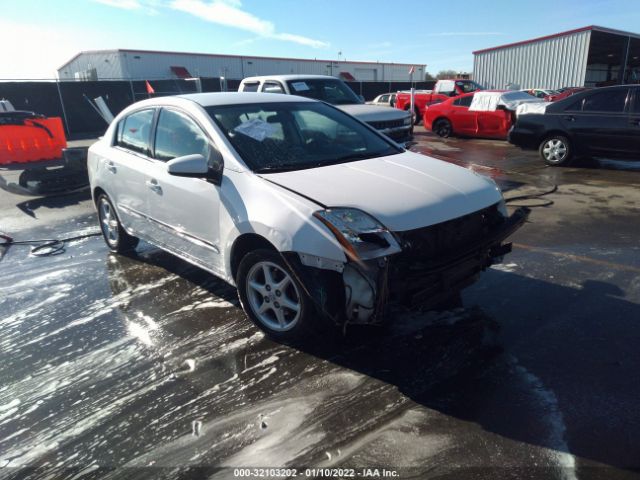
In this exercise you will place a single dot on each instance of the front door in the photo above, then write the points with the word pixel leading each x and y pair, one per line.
pixel 599 122
pixel 463 120
pixel 184 211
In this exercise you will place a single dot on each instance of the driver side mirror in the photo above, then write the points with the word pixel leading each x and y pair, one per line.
pixel 197 166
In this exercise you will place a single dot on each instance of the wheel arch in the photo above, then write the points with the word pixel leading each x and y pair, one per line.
pixel 245 243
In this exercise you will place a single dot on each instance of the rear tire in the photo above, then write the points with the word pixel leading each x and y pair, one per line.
pixel 273 298
pixel 114 234
pixel 443 128
pixel 556 150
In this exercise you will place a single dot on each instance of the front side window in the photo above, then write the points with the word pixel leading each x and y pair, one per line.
pixel 332 91
pixel 134 130
pixel 384 99
pixel 468 86
pixel 283 136
pixel 177 135
pixel 612 101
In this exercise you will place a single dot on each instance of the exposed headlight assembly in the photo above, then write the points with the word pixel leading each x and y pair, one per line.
pixel 361 236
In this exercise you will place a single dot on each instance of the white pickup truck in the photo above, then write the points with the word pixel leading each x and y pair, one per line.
pixel 396 124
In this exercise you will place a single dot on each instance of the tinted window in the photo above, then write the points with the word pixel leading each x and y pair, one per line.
pixel 464 101
pixel 134 130
pixel 272 87
pixel 607 101
pixel 384 99
pixel 177 135
pixel 575 106
pixel 250 87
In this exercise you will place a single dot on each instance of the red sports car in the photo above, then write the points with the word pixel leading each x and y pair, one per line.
pixel 491 115
pixel 564 93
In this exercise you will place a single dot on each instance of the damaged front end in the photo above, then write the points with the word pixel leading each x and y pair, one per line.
pixel 418 268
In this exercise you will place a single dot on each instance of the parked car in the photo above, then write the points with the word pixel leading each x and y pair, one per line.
pixel 384 100
pixel 396 125
pixel 564 93
pixel 487 114
pixel 603 121
pixel 315 217
pixel 442 90
pixel 540 92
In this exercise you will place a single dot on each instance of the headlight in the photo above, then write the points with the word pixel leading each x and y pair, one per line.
pixel 407 121
pixel 358 232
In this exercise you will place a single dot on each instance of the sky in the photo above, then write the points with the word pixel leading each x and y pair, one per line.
pixel 38 36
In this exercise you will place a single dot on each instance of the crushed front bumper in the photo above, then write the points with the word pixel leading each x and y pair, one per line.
pixel 435 263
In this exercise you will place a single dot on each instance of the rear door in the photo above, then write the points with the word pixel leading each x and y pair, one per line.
pixel 126 169
pixel 599 122
pixel 464 121
pixel 184 212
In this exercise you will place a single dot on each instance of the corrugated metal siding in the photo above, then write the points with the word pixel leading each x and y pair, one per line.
pixel 152 65
pixel 108 65
pixel 550 63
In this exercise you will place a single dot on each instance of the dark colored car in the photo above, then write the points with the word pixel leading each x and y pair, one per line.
pixel 564 93
pixel 599 122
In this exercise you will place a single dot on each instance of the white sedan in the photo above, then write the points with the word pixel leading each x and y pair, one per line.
pixel 314 216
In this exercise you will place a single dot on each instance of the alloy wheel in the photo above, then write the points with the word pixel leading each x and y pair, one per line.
pixel 273 296
pixel 108 222
pixel 554 150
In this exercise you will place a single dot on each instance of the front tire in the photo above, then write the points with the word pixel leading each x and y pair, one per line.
pixel 556 150
pixel 443 128
pixel 273 298
pixel 114 234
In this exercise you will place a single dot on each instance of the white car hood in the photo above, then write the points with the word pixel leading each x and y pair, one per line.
pixel 403 191
pixel 373 113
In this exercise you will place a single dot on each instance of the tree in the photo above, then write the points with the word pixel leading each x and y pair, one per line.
pixel 444 74
pixel 428 77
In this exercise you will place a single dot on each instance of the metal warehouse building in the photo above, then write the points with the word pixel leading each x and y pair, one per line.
pixel 589 56
pixel 150 65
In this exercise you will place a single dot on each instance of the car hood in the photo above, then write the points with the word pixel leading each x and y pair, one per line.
pixel 404 191
pixel 373 113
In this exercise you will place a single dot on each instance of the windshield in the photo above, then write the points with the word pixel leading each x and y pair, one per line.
pixel 272 137
pixel 329 90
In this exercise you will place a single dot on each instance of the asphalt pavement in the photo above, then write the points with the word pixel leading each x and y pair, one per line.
pixel 143 366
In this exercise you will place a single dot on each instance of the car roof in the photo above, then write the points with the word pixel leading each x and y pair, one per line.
pixel 227 98
pixel 285 78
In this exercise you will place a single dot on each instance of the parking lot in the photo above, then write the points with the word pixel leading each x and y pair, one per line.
pixel 115 366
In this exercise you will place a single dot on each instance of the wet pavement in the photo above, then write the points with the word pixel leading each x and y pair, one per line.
pixel 145 367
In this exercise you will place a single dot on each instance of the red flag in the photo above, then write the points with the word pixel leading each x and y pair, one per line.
pixel 150 89
pixel 411 70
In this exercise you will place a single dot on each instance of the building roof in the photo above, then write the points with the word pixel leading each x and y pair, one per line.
pixel 218 55
pixel 560 34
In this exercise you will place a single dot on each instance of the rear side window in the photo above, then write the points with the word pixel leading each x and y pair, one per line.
pixel 250 87
pixel 134 131
pixel 463 101
pixel 612 101
pixel 177 135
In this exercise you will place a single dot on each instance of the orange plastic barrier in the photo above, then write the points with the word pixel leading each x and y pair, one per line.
pixel 30 143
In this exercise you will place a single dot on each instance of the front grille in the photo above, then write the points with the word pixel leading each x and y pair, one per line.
pixel 387 124
pixel 447 238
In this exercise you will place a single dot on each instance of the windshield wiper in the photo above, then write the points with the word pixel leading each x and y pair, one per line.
pixel 279 168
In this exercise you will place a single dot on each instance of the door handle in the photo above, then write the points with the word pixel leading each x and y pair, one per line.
pixel 111 167
pixel 153 185
pixel 570 118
